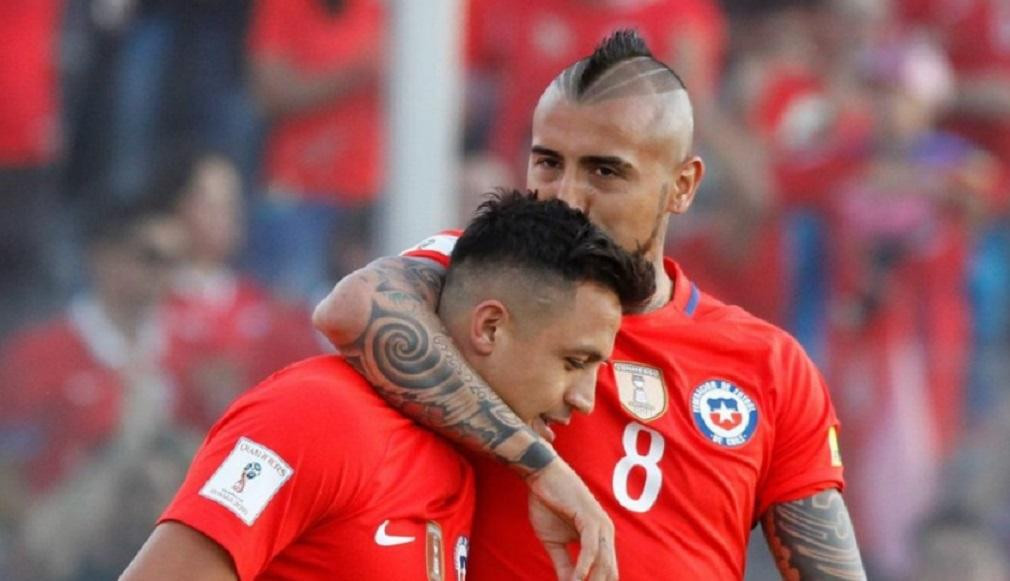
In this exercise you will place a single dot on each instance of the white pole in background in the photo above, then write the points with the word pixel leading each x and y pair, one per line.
pixel 425 107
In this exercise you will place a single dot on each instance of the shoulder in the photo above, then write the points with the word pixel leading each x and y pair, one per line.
pixel 318 415
pixel 36 335
pixel 313 398
pixel 745 333
pixel 325 386
pixel 43 347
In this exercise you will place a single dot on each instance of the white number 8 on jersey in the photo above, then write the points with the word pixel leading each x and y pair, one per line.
pixel 650 462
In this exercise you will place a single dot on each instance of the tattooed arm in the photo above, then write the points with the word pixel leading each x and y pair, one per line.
pixel 812 538
pixel 382 319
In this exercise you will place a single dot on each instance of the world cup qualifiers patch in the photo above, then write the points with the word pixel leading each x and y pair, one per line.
pixel 247 479
pixel 723 413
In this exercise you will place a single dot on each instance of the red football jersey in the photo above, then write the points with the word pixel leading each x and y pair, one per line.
pixel 311 475
pixel 705 416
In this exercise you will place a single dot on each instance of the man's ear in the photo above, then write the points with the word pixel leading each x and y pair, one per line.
pixel 487 322
pixel 685 185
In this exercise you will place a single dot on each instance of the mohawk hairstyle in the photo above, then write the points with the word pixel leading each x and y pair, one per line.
pixel 513 230
pixel 622 65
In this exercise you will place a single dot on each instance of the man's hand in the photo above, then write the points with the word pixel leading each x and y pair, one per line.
pixel 562 510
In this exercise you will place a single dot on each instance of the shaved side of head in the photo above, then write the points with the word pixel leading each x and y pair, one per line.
pixel 623 67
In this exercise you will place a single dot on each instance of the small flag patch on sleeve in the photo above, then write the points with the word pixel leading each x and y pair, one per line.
pixel 836 455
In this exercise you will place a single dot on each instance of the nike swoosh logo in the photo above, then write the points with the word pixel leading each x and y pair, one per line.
pixel 383 539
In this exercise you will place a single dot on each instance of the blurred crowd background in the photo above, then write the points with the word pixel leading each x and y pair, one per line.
pixel 181 180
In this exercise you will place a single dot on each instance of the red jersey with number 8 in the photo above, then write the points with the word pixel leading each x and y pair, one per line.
pixel 705 417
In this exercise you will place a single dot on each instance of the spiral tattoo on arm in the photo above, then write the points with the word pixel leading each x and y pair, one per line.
pixel 405 352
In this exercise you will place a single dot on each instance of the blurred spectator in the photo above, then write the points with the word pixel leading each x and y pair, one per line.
pixel 976 36
pixel 900 314
pixel 91 384
pixel 797 95
pixel 90 527
pixel 952 544
pixel 228 332
pixel 33 262
pixel 176 74
pixel 316 71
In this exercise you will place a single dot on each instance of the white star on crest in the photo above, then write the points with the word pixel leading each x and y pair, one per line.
pixel 725 413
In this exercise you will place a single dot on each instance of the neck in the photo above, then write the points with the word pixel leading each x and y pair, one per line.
pixel 126 319
pixel 664 287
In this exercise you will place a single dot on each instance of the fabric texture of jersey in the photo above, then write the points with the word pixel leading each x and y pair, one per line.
pixel 332 482
pixel 705 417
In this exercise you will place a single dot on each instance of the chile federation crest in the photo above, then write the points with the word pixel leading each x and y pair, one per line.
pixel 723 413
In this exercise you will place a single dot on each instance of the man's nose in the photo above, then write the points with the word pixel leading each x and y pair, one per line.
pixel 582 395
pixel 572 191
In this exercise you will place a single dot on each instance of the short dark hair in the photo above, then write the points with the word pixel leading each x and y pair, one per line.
pixel 583 79
pixel 516 230
pixel 117 222
pixel 176 169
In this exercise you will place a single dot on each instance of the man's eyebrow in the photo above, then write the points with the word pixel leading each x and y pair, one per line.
pixel 589 159
pixel 541 150
pixel 607 160
pixel 591 355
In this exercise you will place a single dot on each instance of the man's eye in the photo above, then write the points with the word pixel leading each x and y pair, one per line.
pixel 607 172
pixel 548 163
pixel 575 363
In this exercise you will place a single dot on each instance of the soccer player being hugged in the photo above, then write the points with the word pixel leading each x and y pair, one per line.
pixel 708 419
pixel 311 475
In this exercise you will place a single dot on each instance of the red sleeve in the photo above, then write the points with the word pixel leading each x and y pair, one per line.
pixel 271 22
pixel 805 457
pixel 265 473
pixel 438 247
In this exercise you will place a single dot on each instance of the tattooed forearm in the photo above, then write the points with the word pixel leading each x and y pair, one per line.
pixel 405 352
pixel 812 538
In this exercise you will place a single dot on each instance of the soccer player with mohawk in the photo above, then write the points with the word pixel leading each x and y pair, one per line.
pixel 707 419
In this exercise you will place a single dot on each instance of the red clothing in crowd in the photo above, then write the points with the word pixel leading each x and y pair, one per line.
pixel 333 152
pixel 29 110
pixel 976 37
pixel 228 334
pixel 64 388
